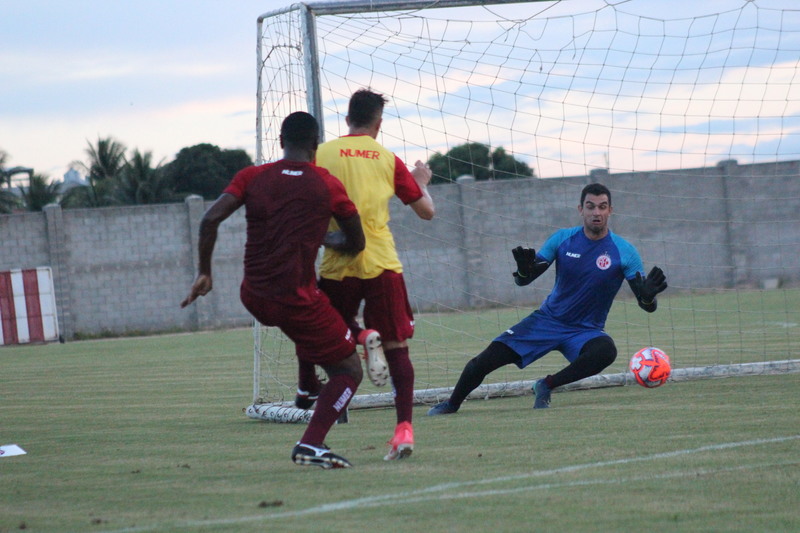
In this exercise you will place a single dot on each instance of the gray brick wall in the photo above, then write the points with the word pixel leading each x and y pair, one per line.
pixel 126 269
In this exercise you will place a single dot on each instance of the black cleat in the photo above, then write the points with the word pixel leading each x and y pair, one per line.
pixel 307 455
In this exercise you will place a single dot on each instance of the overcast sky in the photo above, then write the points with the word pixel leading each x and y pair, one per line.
pixel 157 75
pixel 161 75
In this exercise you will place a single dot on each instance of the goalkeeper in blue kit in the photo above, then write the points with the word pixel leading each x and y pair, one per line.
pixel 591 263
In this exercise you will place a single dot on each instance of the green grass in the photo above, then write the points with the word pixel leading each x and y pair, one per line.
pixel 696 330
pixel 147 434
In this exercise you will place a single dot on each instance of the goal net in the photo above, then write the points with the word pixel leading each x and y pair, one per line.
pixel 688 111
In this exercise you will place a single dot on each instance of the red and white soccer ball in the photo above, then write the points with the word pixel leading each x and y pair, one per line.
pixel 650 367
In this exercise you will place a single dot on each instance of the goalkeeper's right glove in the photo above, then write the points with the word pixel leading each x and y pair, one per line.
pixel 526 259
pixel 528 268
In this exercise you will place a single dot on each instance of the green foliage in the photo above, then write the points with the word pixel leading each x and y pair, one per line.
pixel 506 166
pixel 8 201
pixel 205 169
pixel 140 183
pixel 477 160
pixel 39 193
pixel 3 159
pixel 106 160
pixel 114 179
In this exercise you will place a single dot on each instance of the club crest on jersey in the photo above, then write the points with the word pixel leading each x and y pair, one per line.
pixel 604 261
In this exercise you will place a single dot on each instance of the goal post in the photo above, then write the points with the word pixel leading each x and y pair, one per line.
pixel 687 111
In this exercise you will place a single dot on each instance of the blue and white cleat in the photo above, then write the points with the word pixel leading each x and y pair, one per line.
pixel 443 408
pixel 542 392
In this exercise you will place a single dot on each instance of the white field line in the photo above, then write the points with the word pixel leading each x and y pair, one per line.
pixel 452 491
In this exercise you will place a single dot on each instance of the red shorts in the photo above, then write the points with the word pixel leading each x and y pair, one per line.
pixel 318 331
pixel 386 306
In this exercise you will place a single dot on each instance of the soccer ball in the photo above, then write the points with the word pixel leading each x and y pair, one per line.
pixel 650 367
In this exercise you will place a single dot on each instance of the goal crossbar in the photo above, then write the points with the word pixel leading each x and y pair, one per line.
pixel 366 6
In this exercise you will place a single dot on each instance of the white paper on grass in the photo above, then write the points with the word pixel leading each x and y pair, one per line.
pixel 10 450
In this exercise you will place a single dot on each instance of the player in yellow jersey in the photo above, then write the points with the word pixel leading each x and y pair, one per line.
pixel 372 175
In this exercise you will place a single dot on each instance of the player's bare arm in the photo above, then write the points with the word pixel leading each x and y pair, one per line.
pixel 224 207
pixel 350 239
pixel 424 207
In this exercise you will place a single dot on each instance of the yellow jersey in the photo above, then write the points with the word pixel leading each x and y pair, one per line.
pixel 371 174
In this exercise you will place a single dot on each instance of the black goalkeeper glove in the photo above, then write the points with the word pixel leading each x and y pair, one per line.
pixel 526 261
pixel 649 287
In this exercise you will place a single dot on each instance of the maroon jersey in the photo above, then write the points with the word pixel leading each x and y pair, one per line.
pixel 288 206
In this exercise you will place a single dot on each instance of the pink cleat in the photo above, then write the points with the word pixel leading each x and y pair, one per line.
pixel 402 444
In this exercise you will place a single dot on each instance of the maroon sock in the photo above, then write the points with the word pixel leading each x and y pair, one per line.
pixel 333 399
pixel 402 372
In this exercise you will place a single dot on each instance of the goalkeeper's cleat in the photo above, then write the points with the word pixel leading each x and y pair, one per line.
pixel 443 408
pixel 542 392
pixel 377 368
pixel 307 455
pixel 304 400
pixel 402 444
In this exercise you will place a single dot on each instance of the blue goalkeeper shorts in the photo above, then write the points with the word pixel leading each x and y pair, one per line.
pixel 537 335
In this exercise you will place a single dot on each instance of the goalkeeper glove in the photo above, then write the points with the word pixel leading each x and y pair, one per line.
pixel 528 268
pixel 526 260
pixel 649 287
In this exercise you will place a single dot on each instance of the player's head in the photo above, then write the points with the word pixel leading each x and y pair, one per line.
pixel 595 209
pixel 595 189
pixel 365 109
pixel 300 131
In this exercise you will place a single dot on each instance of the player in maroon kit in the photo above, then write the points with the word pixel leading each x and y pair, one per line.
pixel 288 206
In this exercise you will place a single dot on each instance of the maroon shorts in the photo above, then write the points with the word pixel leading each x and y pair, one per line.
pixel 386 306
pixel 318 331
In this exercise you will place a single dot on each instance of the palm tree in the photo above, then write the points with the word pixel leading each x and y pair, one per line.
pixel 8 200
pixel 40 193
pixel 3 159
pixel 140 183
pixel 106 161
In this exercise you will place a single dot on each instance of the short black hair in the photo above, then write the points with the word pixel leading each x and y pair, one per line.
pixel 596 189
pixel 300 130
pixel 365 107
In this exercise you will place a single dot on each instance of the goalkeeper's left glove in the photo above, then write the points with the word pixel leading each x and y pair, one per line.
pixel 649 287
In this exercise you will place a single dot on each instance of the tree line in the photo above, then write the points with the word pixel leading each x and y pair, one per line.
pixel 115 177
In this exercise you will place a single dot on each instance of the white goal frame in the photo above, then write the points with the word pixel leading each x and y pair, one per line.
pixel 304 91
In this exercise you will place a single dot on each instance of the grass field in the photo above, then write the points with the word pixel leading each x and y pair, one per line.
pixel 696 330
pixel 147 434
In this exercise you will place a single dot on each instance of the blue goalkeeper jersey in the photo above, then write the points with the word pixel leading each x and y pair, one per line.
pixel 588 275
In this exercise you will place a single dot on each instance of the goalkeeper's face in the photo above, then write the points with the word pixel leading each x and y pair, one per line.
pixel 595 211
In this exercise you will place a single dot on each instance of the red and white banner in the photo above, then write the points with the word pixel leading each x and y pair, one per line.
pixel 27 306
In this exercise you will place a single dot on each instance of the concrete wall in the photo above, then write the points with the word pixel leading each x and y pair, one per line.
pixel 126 269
